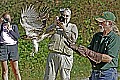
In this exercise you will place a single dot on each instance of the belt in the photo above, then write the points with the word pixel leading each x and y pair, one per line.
pixel 2 44
pixel 5 44
pixel 60 53
pixel 99 70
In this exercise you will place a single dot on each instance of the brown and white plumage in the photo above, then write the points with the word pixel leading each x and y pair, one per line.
pixel 34 23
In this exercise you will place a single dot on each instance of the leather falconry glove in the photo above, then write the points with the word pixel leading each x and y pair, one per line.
pixel 75 48
pixel 92 55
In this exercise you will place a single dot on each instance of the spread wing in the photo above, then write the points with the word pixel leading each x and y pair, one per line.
pixel 33 22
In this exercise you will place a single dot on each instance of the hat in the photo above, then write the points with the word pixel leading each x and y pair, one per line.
pixel 106 16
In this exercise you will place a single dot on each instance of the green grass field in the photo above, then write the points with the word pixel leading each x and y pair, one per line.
pixel 83 13
pixel 32 68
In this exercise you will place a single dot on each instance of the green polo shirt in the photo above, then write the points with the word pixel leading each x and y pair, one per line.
pixel 109 45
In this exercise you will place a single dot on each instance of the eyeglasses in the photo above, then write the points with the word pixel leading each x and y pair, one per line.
pixel 105 23
pixel 65 16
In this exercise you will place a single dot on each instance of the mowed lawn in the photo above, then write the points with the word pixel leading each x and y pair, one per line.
pixel 32 68
pixel 83 13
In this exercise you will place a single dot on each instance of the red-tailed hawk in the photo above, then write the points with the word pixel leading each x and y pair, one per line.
pixel 34 24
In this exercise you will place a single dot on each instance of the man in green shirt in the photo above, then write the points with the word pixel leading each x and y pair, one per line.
pixel 103 49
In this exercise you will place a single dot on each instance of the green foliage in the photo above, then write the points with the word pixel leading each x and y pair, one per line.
pixel 83 13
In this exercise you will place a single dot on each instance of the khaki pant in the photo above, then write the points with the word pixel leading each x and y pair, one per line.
pixel 55 62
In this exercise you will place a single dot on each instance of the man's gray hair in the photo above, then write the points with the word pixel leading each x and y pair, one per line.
pixel 115 28
pixel 68 10
pixel 65 9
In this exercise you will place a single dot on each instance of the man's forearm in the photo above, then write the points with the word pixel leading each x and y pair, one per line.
pixel 95 56
pixel 92 55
